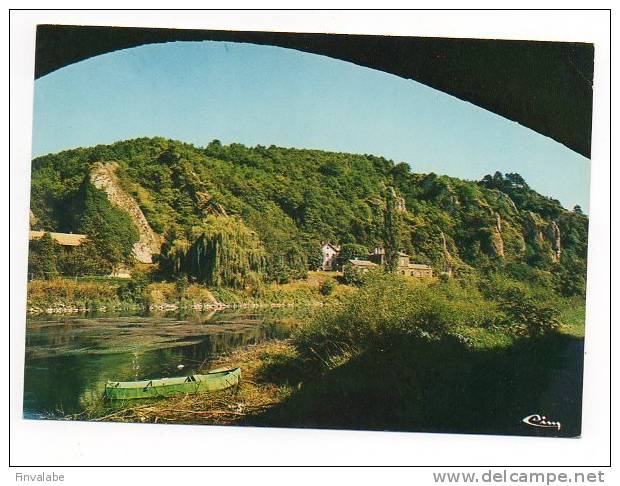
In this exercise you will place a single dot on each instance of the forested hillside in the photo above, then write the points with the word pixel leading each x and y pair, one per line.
pixel 278 204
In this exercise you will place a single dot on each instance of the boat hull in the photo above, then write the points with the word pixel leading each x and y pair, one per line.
pixel 168 387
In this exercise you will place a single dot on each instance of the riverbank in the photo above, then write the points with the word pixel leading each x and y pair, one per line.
pixel 255 394
pixel 380 391
pixel 74 296
pixel 399 354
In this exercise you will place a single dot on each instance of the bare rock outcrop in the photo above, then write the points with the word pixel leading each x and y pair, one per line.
pixel 447 258
pixel 552 234
pixel 497 242
pixel 533 226
pixel 507 198
pixel 539 231
pixel 32 220
pixel 103 177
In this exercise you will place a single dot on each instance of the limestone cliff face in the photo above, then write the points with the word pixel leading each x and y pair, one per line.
pixel 447 258
pixel 552 234
pixel 497 242
pixel 540 231
pixel 509 202
pixel 532 226
pixel 32 220
pixel 103 177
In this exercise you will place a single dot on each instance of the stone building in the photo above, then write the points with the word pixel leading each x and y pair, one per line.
pixel 374 260
pixel 405 267
pixel 363 265
pixel 416 270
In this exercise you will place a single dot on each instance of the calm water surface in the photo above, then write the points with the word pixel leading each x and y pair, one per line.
pixel 69 359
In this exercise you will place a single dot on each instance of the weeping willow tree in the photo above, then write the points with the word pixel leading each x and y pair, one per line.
pixel 225 253
pixel 172 260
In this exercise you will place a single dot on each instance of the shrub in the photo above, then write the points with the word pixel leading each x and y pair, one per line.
pixel 327 287
pixel 133 290
pixel 527 316
pixel 84 260
pixel 42 257
pixel 388 310
pixel 352 275
pixel 181 285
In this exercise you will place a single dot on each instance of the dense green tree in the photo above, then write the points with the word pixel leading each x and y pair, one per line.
pixel 352 275
pixel 85 259
pixel 349 251
pixel 391 235
pixel 43 257
pixel 315 257
pixel 172 259
pixel 225 252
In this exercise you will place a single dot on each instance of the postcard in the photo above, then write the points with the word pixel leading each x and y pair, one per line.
pixel 308 230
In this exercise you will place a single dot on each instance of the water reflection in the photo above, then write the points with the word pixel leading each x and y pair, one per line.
pixel 69 359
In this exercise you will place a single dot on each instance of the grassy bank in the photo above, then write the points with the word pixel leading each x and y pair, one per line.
pixel 299 292
pixel 62 295
pixel 92 294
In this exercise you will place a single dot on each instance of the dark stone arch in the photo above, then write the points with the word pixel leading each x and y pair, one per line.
pixel 545 86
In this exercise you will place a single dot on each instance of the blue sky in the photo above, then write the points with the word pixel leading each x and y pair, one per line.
pixel 200 91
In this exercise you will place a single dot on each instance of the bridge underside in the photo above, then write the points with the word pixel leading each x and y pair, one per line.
pixel 546 86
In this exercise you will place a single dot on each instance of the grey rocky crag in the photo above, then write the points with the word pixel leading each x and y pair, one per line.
pixel 103 177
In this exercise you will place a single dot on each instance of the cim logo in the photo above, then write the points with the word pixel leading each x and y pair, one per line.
pixel 541 421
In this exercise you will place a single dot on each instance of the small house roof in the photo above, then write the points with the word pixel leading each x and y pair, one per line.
pixel 419 266
pixel 334 247
pixel 362 263
pixel 65 239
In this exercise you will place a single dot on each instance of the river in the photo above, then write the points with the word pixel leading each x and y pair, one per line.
pixel 69 359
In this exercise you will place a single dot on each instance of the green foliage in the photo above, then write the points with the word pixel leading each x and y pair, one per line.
pixel 288 265
pixel 132 291
pixel 568 282
pixel 172 258
pixel 42 258
pixel 391 236
pixel 181 285
pixel 224 252
pixel 349 251
pixel 293 199
pixel 529 317
pixel 352 275
pixel 327 287
pixel 109 228
pixel 315 257
pixel 388 309
pixel 531 307
pixel 85 259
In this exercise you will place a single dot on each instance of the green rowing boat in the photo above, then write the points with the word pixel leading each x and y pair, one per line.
pixel 167 387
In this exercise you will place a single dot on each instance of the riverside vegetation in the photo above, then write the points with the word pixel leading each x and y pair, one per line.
pixel 243 225
pixel 401 354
